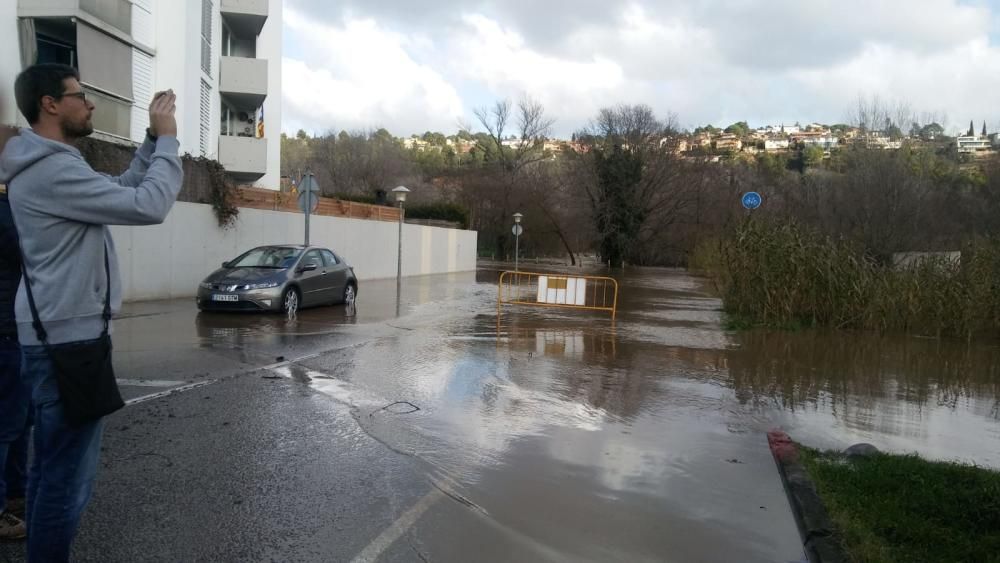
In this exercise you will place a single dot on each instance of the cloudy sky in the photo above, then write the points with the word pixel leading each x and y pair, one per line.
pixel 417 65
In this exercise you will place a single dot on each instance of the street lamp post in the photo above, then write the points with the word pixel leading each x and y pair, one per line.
pixel 517 238
pixel 400 192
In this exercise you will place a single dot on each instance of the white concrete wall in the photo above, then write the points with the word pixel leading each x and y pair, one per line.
pixel 178 62
pixel 169 260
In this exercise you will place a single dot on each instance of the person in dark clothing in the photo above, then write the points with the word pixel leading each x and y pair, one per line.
pixel 15 395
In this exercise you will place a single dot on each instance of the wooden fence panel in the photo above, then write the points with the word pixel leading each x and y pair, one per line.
pixel 259 198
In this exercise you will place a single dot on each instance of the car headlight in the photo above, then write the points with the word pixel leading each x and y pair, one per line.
pixel 267 285
pixel 205 285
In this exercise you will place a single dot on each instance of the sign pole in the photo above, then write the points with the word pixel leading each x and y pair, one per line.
pixel 308 209
pixel 517 249
pixel 307 199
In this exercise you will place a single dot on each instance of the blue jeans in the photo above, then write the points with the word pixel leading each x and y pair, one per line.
pixel 63 469
pixel 15 402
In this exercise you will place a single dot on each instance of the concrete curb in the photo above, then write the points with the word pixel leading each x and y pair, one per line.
pixel 818 539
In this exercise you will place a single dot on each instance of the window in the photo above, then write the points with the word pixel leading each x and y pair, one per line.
pixel 225 128
pixel 111 115
pixel 227 37
pixel 268 257
pixel 55 40
pixel 142 93
pixel 206 36
pixel 105 62
pixel 206 115
pixel 331 260
pixel 54 51
pixel 314 257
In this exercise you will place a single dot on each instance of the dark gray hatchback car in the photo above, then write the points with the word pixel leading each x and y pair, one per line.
pixel 279 278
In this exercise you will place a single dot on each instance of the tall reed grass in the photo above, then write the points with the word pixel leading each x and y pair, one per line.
pixel 782 274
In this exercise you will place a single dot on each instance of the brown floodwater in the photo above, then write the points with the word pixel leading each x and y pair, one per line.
pixel 566 435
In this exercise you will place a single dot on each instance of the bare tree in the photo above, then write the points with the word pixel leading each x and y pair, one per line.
pixel 634 187
pixel 505 161
pixel 875 115
pixel 358 163
pixel 553 191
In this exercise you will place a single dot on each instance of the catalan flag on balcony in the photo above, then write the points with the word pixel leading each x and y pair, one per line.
pixel 260 124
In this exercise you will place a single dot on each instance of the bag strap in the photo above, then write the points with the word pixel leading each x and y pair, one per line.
pixel 36 321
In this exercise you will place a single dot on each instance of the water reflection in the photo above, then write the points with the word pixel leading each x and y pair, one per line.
pixel 240 328
pixel 845 370
pixel 552 420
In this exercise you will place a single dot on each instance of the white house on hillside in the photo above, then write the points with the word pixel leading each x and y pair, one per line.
pixel 969 144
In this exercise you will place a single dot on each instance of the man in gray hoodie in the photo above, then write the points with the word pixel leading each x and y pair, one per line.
pixel 61 208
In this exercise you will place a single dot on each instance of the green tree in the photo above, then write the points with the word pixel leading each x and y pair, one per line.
pixel 771 166
pixel 893 131
pixel 740 129
pixel 931 131
pixel 296 154
pixel 620 212
pixel 710 129
pixel 434 138
pixel 636 190
pixel 812 156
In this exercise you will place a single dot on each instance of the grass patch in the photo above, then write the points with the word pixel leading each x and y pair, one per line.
pixel 902 508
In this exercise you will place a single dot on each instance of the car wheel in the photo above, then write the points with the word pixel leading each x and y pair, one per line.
pixel 290 300
pixel 350 293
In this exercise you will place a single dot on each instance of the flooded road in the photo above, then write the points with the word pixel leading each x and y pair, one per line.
pixel 572 436
pixel 535 435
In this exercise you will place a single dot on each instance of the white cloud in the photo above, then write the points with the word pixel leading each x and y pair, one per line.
pixel 364 65
pixel 960 82
pixel 360 75
pixel 499 59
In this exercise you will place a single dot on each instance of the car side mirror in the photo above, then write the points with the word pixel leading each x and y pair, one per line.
pixel 308 267
pixel 225 264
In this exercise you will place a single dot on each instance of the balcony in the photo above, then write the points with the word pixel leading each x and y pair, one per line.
pixel 245 17
pixel 244 158
pixel 243 81
pixel 115 13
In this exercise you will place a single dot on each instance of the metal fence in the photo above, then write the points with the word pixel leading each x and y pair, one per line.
pixel 593 293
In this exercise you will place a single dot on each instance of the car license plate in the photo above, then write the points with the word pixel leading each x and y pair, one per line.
pixel 218 297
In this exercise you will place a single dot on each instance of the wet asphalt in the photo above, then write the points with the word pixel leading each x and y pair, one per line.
pixel 433 429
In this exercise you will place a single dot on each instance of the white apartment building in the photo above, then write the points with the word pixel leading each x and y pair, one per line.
pixel 826 142
pixel 968 144
pixel 775 144
pixel 221 57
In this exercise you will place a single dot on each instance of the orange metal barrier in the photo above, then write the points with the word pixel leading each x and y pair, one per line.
pixel 593 293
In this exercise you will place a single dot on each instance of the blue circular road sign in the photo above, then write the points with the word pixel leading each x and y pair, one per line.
pixel 751 200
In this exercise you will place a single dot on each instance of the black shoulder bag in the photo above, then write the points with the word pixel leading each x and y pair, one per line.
pixel 84 374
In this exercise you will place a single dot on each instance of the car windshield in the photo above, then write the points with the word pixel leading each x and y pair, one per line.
pixel 268 257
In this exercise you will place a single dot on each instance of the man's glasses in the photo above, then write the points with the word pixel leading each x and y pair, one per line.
pixel 82 96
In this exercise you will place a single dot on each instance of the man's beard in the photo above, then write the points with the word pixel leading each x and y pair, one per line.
pixel 72 130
